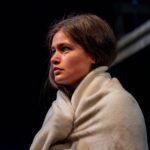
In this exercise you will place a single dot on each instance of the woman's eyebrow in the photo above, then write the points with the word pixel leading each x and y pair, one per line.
pixel 60 45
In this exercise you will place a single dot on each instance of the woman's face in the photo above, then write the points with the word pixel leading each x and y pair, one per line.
pixel 70 63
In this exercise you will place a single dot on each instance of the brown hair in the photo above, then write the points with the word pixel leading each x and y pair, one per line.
pixel 90 32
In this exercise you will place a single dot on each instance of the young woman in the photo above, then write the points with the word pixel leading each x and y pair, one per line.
pixel 92 110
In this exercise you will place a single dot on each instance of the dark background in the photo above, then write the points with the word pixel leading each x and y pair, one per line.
pixel 25 62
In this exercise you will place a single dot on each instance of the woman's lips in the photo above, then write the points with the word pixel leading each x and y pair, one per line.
pixel 57 70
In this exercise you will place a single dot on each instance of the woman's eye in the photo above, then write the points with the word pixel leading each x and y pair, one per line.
pixel 65 49
pixel 52 52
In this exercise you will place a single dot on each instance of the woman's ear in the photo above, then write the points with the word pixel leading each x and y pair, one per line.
pixel 93 61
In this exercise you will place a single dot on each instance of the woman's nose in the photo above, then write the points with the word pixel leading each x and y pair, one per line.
pixel 55 59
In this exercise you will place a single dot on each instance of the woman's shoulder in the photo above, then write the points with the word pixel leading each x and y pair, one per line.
pixel 119 100
pixel 118 93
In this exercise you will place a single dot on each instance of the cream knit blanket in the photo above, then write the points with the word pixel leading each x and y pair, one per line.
pixel 101 115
